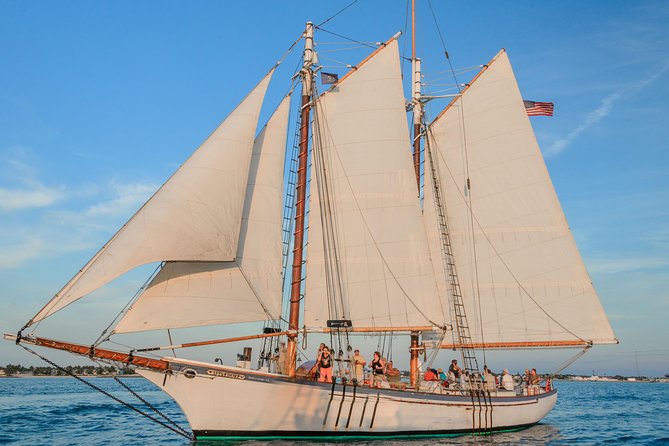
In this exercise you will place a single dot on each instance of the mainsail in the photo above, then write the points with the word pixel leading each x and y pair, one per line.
pixel 194 216
pixel 188 294
pixel 368 259
pixel 522 277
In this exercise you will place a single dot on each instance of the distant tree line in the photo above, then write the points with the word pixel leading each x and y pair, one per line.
pixel 89 370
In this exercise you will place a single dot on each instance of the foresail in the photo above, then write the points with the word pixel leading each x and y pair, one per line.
pixel 194 216
pixel 367 257
pixel 188 294
pixel 522 277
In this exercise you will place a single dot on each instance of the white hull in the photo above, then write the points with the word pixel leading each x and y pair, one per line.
pixel 230 402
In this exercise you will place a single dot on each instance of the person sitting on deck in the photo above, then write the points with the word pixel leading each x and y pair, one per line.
pixel 393 376
pixel 431 375
pixel 324 363
pixel 442 375
pixel 507 380
pixel 378 366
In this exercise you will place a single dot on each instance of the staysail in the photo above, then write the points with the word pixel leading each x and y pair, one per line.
pixel 367 255
pixel 188 294
pixel 195 215
pixel 522 277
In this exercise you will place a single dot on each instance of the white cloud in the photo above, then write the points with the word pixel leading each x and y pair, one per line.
pixel 128 199
pixel 591 119
pixel 26 192
pixel 627 264
pixel 15 255
pixel 604 109
pixel 39 196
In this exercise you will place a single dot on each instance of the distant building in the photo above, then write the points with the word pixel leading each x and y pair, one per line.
pixel 2 372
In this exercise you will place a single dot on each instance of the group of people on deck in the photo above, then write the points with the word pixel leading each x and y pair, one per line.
pixel 383 374
pixel 488 381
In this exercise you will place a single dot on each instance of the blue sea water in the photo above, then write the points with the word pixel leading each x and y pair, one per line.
pixel 62 411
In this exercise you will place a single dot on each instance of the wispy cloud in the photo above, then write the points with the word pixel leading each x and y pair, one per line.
pixel 603 110
pixel 627 264
pixel 591 119
pixel 27 192
pixel 39 196
pixel 16 254
pixel 128 199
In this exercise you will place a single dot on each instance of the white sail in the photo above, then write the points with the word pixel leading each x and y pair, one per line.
pixel 365 177
pixel 188 294
pixel 521 274
pixel 194 216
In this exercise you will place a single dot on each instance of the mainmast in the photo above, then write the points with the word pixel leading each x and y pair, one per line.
pixel 417 116
pixel 300 194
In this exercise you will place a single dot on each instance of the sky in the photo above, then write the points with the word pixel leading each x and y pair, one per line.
pixel 101 101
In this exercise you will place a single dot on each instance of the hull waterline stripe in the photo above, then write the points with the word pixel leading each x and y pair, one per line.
pixel 331 435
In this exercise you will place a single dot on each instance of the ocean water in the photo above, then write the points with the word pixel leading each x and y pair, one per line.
pixel 62 411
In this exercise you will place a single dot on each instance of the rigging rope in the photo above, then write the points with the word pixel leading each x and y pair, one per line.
pixel 179 431
pixel 337 13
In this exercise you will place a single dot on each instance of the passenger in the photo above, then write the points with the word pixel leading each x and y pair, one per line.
pixel 526 378
pixel 507 380
pixel 359 366
pixel 282 362
pixel 488 380
pixel 457 371
pixel 394 376
pixel 534 378
pixel 464 380
pixel 534 381
pixel 431 375
pixel 378 366
pixel 442 375
pixel 324 363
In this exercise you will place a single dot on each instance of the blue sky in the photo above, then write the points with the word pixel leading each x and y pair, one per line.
pixel 100 103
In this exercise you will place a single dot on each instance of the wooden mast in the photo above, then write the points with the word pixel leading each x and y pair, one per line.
pixel 300 194
pixel 414 350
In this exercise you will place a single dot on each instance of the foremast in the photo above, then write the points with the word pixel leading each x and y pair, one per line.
pixel 415 349
pixel 300 193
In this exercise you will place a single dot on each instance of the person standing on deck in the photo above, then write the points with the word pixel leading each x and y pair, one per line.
pixel 359 366
pixel 324 364
pixel 281 365
pixel 378 366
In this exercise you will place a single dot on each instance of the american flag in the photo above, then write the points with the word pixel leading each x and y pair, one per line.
pixel 538 108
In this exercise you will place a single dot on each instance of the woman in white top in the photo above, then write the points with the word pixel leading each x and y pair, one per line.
pixel 507 380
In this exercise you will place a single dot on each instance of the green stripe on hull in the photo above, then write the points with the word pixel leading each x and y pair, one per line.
pixel 348 437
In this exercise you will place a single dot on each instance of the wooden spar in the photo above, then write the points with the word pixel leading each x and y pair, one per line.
pixel 99 353
pixel 511 345
pixel 214 341
pixel 300 203
pixel 375 329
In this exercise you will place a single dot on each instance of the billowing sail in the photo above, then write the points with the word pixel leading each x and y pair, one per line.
pixel 188 294
pixel 521 274
pixel 367 256
pixel 195 215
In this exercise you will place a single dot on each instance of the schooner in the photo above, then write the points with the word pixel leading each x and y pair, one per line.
pixel 482 259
